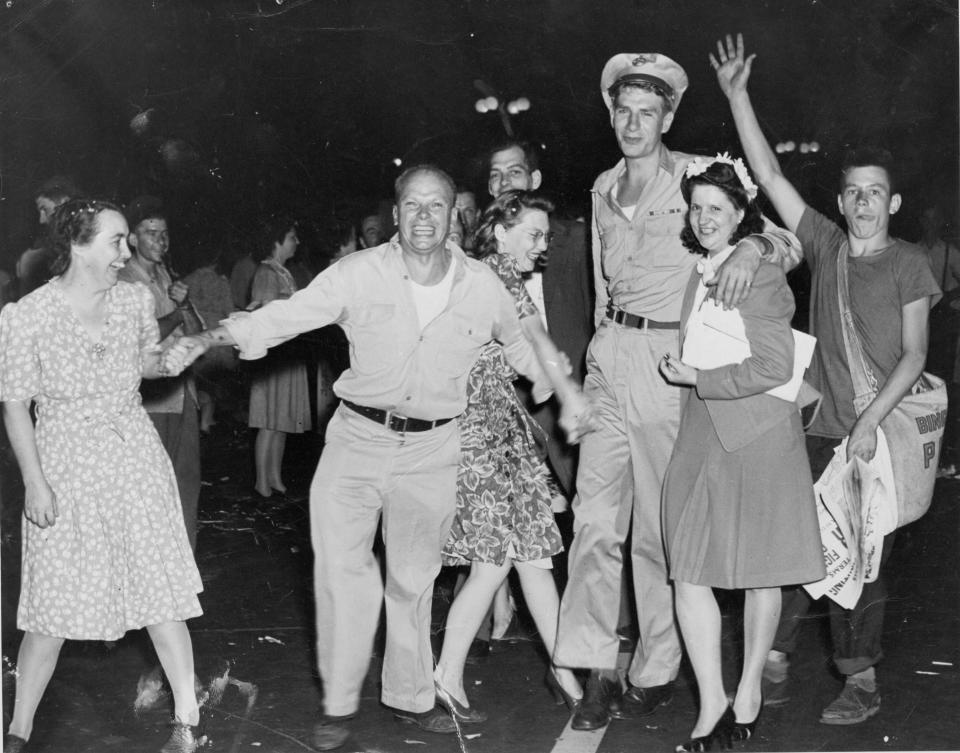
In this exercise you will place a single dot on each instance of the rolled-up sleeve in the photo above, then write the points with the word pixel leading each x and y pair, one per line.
pixel 322 302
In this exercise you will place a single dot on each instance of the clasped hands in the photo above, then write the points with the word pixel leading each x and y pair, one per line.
pixel 180 354
pixel 577 417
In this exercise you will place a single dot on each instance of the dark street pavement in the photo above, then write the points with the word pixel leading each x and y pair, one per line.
pixel 255 560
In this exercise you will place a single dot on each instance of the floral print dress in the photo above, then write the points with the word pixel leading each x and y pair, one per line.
pixel 117 558
pixel 504 488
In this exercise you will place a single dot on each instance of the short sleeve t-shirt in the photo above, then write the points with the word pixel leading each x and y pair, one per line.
pixel 880 286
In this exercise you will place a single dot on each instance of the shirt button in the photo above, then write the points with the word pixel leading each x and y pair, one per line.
pixel 408 397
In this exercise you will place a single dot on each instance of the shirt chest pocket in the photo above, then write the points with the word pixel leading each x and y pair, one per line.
pixel 374 339
pixel 663 230
pixel 459 344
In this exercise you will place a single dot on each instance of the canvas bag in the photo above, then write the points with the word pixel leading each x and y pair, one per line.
pixel 913 430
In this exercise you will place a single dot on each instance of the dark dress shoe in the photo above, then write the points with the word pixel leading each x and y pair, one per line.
pixel 479 651
pixel 601 703
pixel 433 720
pixel 331 732
pixel 644 701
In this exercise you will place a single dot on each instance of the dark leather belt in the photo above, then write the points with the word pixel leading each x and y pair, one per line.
pixel 394 421
pixel 632 320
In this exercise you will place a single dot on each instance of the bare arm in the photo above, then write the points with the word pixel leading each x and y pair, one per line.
pixel 575 409
pixel 188 349
pixel 863 437
pixel 39 504
pixel 733 72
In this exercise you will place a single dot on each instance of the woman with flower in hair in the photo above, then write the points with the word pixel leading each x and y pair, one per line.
pixel 738 505
pixel 105 549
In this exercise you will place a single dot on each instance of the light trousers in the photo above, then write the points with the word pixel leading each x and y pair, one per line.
pixel 368 473
pixel 619 480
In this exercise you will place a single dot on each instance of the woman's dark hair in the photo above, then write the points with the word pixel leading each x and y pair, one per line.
pixel 75 222
pixel 724 177
pixel 506 210
pixel 272 229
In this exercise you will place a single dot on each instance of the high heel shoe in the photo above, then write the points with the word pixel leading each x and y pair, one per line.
pixel 464 714
pixel 743 731
pixel 560 696
pixel 720 735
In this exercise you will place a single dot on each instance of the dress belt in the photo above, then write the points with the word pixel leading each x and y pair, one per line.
pixel 632 320
pixel 394 421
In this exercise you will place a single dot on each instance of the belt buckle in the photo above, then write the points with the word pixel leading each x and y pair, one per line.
pixel 396 422
pixel 619 315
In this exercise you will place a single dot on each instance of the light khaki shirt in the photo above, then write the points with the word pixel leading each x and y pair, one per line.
pixel 639 264
pixel 394 364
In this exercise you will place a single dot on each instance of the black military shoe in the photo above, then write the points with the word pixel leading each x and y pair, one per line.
pixel 644 701
pixel 601 702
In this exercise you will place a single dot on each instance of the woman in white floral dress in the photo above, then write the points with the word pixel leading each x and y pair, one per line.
pixel 105 549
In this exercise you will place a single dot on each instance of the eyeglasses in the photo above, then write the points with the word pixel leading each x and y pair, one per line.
pixel 536 235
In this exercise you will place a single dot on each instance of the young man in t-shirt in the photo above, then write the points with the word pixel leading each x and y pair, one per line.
pixel 891 291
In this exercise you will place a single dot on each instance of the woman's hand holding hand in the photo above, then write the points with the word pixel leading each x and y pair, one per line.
pixel 181 354
pixel 40 504
pixel 677 372
pixel 576 417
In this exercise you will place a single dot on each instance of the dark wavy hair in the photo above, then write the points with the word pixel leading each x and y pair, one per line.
pixel 507 210
pixel 722 176
pixel 869 156
pixel 74 223
pixel 272 229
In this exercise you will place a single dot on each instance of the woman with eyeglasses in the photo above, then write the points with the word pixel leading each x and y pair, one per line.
pixel 105 548
pixel 504 489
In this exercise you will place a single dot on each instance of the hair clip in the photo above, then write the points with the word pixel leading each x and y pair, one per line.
pixel 700 164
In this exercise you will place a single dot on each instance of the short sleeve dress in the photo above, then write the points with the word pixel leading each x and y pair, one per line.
pixel 118 557
pixel 279 391
pixel 504 489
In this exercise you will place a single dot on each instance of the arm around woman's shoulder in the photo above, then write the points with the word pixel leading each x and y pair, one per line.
pixel 766 313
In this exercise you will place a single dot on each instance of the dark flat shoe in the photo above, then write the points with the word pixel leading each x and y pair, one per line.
pixel 13 744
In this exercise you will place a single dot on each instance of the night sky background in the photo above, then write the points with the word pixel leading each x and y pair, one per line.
pixel 229 109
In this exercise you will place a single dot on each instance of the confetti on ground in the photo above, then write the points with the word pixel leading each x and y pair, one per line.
pixel 414 742
pixel 942 663
pixel 271 639
pixel 471 737
pixel 925 672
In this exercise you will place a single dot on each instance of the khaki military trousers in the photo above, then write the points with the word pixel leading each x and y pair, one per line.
pixel 619 479
pixel 368 472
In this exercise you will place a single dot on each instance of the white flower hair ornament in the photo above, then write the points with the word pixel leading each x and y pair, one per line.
pixel 700 165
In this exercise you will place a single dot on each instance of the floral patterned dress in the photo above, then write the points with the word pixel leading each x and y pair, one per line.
pixel 504 488
pixel 117 558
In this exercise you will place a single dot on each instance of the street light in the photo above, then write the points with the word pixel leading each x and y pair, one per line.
pixel 490 102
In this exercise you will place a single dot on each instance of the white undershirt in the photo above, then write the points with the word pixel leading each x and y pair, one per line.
pixel 629 211
pixel 430 300
pixel 534 285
